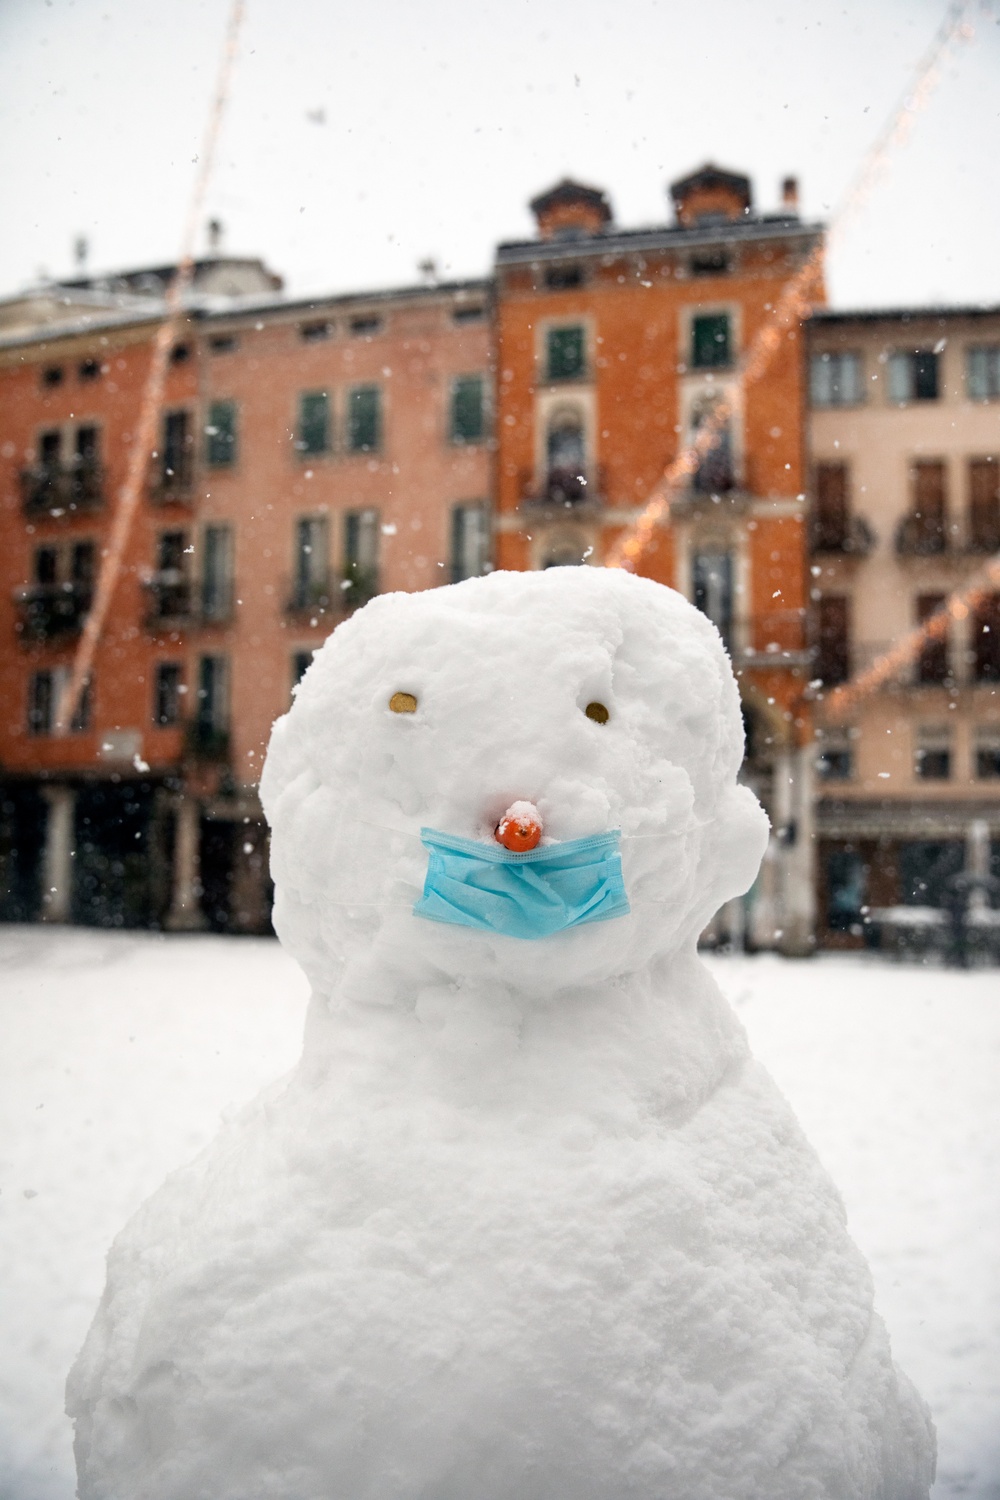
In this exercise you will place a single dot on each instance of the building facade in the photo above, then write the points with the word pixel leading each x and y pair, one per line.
pixel 310 455
pixel 313 453
pixel 905 444
pixel 612 347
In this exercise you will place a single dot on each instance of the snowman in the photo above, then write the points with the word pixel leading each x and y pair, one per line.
pixel 527 1222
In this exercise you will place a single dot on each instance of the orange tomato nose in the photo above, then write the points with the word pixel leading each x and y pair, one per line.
pixel 520 828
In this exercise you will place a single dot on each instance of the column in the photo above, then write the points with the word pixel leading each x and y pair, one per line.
pixel 794 822
pixel 799 915
pixel 185 913
pixel 57 858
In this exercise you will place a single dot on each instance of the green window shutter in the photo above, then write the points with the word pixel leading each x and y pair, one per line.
pixel 221 433
pixel 314 422
pixel 566 353
pixel 467 413
pixel 364 419
pixel 710 341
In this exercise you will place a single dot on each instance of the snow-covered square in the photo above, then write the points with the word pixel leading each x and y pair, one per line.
pixel 121 1051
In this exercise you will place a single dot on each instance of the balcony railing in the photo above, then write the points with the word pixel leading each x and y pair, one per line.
pixel 206 741
pixel 169 598
pixel 573 488
pixel 716 474
pixel 49 610
pixel 173 484
pixel 921 536
pixel 53 489
pixel 853 538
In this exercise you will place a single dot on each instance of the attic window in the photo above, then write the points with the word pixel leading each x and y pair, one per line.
pixel 709 263
pixel 223 343
pixel 311 333
pixel 468 314
pixel 89 369
pixel 53 376
pixel 180 354
pixel 367 323
pixel 560 278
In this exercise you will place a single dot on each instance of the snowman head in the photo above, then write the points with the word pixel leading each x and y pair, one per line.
pixel 605 700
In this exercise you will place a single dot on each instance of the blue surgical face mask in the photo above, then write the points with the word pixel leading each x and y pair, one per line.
pixel 527 895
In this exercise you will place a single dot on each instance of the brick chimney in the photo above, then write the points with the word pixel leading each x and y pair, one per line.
pixel 790 195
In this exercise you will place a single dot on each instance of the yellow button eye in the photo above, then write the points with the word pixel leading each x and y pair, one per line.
pixel 597 712
pixel 405 703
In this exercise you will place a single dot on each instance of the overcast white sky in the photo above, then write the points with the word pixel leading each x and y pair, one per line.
pixel 361 138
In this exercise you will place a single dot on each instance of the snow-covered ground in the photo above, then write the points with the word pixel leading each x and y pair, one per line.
pixel 119 1051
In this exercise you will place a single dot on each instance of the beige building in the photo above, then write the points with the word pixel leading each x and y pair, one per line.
pixel 905 488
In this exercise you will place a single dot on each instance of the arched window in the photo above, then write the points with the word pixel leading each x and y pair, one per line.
pixel 565 455
pixel 714 474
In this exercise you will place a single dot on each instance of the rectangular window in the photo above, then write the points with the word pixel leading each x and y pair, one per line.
pixel 468 409
pixel 830 525
pixel 212 712
pixel 565 353
pixel 314 422
pixel 217 573
pixel 312 563
pixel 712 593
pixel 835 379
pixel 301 662
pixel 986 640
pixel 913 375
pixel 984 504
pixel 835 761
pixel 41 706
pixel 46 565
pixel 167 694
pixel 360 557
pixel 932 758
pixel 176 468
pixel 469 541
pixel 44 692
pixel 923 533
pixel 988 755
pixel 710 341
pixel 982 372
pixel 220 430
pixel 833 655
pixel 314 333
pixel 82 569
pixel 170 586
pixel 224 343
pixel 364 419
pixel 932 663
pixel 366 323
pixel 86 466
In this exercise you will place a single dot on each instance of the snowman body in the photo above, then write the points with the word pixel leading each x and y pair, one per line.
pixel 527 1220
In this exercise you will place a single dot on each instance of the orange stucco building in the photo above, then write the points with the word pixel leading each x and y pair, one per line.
pixel 612 346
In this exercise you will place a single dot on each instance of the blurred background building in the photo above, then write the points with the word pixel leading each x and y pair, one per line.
pixel 312 454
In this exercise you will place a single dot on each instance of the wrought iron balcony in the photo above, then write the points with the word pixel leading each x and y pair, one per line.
pixel 206 741
pixel 848 537
pixel 173 484
pixel 48 610
pixel 921 536
pixel 576 488
pixel 54 489
pixel 169 596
